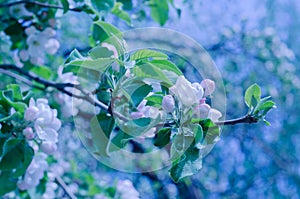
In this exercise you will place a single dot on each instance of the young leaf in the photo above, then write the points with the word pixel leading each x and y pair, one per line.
pixel 98 65
pixel 189 164
pixel 119 141
pixel 100 52
pixel 16 90
pixel 65 5
pixel 166 65
pixel 252 95
pixel 118 11
pixel 151 71
pixel 74 55
pixel 13 154
pixel 140 93
pixel 162 138
pixel 7 183
pixel 159 10
pixel 101 128
pixel 42 71
pixel 146 53
pixel 103 5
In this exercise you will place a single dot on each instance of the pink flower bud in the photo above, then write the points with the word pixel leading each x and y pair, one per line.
pixel 136 115
pixel 48 147
pixel 209 86
pixel 28 133
pixel 168 103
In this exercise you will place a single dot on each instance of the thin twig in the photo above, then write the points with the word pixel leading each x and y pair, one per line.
pixel 245 119
pixel 65 187
pixel 3 5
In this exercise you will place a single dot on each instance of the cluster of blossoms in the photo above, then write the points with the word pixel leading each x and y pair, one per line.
pixel 38 44
pixel 44 131
pixel 125 189
pixel 46 124
pixel 192 95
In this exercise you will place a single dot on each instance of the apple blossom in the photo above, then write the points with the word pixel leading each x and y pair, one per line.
pixel 28 133
pixel 214 115
pixel 209 86
pixel 34 172
pixel 184 91
pixel 145 111
pixel 168 103
pixel 126 190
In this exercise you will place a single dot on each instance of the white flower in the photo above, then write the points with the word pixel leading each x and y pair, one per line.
pixel 168 103
pixel 46 123
pixel 202 110
pixel 24 56
pixel 34 173
pixel 198 90
pixel 32 111
pixel 40 43
pixel 209 86
pixel 145 111
pixel 184 91
pixel 52 45
pixel 126 190
pixel 28 133
pixel 214 115
pixel 50 190
pixel 48 147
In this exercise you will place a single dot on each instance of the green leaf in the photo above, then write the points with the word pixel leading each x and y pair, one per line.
pixel 127 4
pixel 198 134
pixel 189 164
pixel 102 31
pixel 142 121
pixel 162 138
pixel 74 55
pixel 16 90
pixel 97 65
pixel 102 6
pixel 7 102
pixel 151 71
pixel 166 65
pixel 28 156
pixel 7 183
pixel 42 71
pixel 159 11
pixel 118 11
pixel 154 100
pixel 101 128
pixel 210 131
pixel 65 5
pixel 140 93
pixel 13 154
pixel 146 53
pixel 105 32
pixel 100 52
pixel 267 105
pixel 119 141
pixel 252 95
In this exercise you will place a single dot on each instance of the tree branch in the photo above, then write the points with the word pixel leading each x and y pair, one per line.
pixel 3 5
pixel 248 119
pixel 65 187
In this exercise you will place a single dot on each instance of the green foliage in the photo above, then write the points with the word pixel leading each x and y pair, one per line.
pixel 101 128
pixel 258 107
pixel 162 138
pixel 42 71
pixel 159 11
pixel 146 53
pixel 103 6
pixel 65 5
pixel 118 11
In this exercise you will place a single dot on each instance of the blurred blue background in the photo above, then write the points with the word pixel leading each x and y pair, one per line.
pixel 250 41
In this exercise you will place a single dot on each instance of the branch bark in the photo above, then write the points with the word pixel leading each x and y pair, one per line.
pixel 3 5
